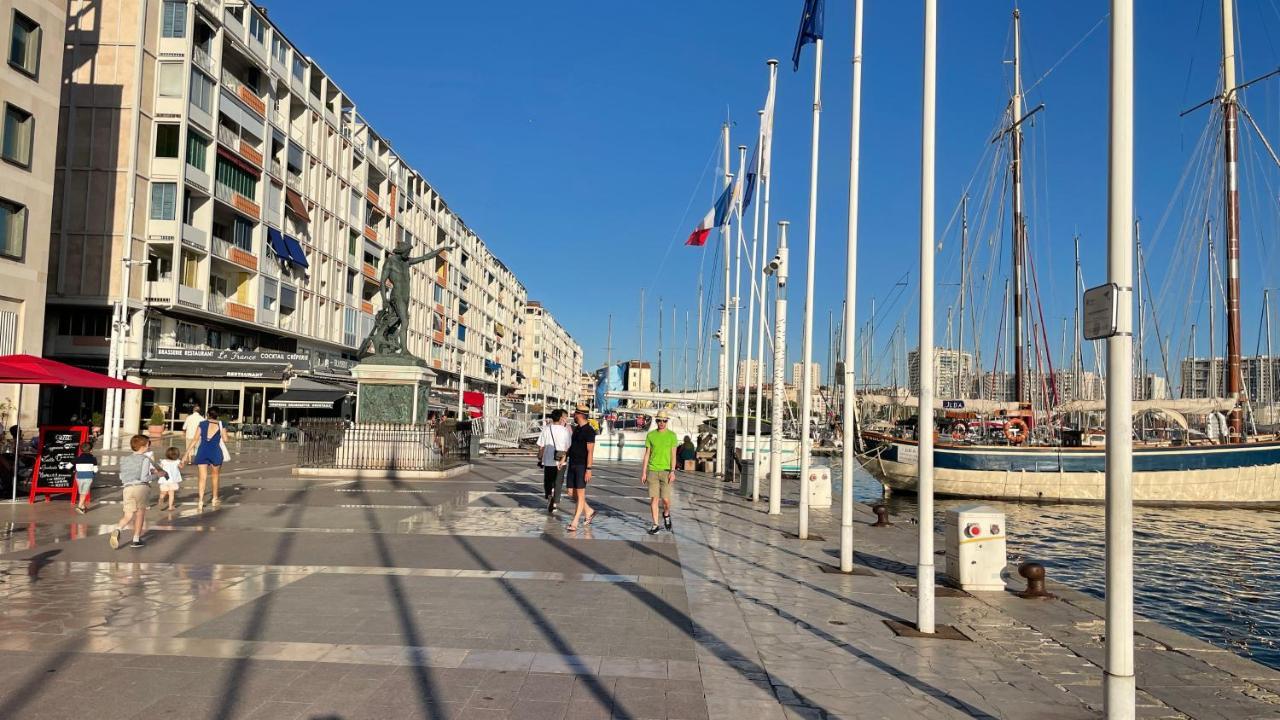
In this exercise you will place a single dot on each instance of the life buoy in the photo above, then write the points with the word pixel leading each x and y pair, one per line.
pixel 1015 431
pixel 958 431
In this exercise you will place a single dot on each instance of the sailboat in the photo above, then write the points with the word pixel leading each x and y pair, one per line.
pixel 1011 450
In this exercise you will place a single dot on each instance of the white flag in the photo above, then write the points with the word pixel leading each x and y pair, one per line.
pixel 766 135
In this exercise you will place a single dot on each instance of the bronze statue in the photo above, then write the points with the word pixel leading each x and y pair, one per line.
pixel 391 325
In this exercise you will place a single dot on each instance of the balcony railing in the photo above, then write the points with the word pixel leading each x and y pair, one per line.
pixel 276 168
pixel 237 201
pixel 195 237
pixel 270 267
pixel 223 305
pixel 371 233
pixel 218 304
pixel 370 271
pixel 294 182
pixel 228 137
pixel 371 196
pixel 242 91
pixel 248 152
pixel 202 59
pixel 235 254
pixel 160 291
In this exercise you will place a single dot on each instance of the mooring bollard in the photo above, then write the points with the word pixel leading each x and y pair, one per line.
pixel 1034 574
pixel 882 516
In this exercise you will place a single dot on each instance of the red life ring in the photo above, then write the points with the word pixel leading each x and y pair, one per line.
pixel 958 431
pixel 1015 431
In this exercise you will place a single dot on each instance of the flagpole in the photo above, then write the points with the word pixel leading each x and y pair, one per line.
pixel 924 486
pixel 767 184
pixel 1118 680
pixel 751 303
pixel 722 377
pixel 737 289
pixel 848 398
pixel 806 377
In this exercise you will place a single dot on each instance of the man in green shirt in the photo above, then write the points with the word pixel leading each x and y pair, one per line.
pixel 660 461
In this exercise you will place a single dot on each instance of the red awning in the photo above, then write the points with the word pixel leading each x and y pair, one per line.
pixel 31 370
pixel 293 203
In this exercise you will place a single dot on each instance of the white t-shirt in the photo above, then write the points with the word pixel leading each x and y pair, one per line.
pixel 191 426
pixel 554 438
pixel 174 469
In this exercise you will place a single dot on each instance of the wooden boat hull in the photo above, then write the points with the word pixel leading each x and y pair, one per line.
pixel 1246 474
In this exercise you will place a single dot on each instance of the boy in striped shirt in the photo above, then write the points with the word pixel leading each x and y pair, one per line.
pixel 86 471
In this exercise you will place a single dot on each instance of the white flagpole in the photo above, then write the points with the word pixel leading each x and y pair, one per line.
pixel 850 317
pixel 924 485
pixel 806 377
pixel 722 378
pixel 737 287
pixel 751 305
pixel 766 185
pixel 1118 681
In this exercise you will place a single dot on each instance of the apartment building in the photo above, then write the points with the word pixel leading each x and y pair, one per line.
pixel 952 372
pixel 30 82
pixel 815 374
pixel 587 389
pixel 552 360
pixel 1204 377
pixel 216 178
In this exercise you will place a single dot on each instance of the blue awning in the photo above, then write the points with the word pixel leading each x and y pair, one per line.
pixel 277 243
pixel 296 253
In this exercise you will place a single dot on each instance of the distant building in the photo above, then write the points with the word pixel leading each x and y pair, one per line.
pixel 1065 383
pixel 952 371
pixel 815 374
pixel 638 376
pixel 552 360
pixel 587 389
pixel 1206 377
pixel 747 372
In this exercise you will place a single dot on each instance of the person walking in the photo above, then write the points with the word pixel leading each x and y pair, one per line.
pixel 577 474
pixel 86 471
pixel 136 471
pixel 658 469
pixel 208 454
pixel 191 425
pixel 554 442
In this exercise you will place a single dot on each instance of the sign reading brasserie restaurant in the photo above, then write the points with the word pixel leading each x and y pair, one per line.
pixel 270 357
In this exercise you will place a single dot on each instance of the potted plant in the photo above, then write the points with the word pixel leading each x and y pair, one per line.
pixel 156 427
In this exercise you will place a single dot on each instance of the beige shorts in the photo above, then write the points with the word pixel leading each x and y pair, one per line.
pixel 135 498
pixel 659 484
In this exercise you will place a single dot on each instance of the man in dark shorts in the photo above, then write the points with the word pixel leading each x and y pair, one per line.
pixel 582 453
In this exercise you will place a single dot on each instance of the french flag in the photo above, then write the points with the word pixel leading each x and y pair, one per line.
pixel 717 216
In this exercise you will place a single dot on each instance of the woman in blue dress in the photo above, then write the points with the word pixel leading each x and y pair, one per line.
pixel 208 456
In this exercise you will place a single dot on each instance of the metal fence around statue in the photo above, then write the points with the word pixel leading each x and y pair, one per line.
pixel 341 445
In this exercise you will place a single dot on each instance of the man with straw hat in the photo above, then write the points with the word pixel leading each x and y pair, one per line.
pixel 658 470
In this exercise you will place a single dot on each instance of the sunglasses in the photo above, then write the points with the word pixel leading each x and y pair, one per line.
pixel 662 421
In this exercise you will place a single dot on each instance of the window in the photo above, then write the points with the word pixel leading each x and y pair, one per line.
pixel 351 283
pixel 190 270
pixel 188 209
pixel 164 201
pixel 218 285
pixel 242 234
pixel 201 91
pixel 188 334
pixel 215 339
pixel 13 229
pixel 351 245
pixel 169 80
pixel 257 28
pixel 299 68
pixel 269 290
pixel 173 19
pixel 19 129
pixel 236 179
pixel 166 141
pixel 197 147
pixel 24 45
pixel 279 50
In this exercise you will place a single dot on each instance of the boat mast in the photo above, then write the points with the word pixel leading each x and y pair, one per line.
pixel 1140 363
pixel 1019 229
pixel 1231 195
pixel 964 275
pixel 1212 270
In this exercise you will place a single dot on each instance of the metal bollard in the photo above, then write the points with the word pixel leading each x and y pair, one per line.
pixel 882 516
pixel 1034 574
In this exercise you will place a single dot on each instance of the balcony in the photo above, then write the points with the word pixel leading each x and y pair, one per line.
pixel 160 291
pixel 190 296
pixel 366 307
pixel 275 168
pixel 222 305
pixel 372 197
pixel 202 59
pixel 294 182
pixel 195 237
pixel 371 233
pixel 213 7
pixel 237 201
pixel 244 94
pixel 370 272
pixel 248 152
pixel 234 254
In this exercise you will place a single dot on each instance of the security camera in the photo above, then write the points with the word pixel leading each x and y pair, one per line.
pixel 774 265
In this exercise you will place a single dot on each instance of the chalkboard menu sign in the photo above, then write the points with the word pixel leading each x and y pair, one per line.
pixel 55 470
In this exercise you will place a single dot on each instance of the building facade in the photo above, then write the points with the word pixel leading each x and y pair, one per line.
pixel 30 83
pixel 197 139
pixel 952 372
pixel 815 374
pixel 587 389
pixel 552 360
pixel 1207 377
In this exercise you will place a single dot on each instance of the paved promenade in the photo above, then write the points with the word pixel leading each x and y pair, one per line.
pixel 342 599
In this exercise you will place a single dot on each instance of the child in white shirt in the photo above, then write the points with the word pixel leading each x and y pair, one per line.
pixel 172 466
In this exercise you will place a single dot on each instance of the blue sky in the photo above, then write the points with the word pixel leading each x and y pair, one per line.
pixel 573 136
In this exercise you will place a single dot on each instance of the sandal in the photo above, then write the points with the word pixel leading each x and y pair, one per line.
pixel 571 528
pixel 590 517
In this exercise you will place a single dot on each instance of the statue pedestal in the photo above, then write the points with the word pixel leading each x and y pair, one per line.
pixel 392 390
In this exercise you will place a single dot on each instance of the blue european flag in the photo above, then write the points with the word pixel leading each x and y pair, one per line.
pixel 810 29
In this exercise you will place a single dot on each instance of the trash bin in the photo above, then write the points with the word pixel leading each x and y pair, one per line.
pixel 976 556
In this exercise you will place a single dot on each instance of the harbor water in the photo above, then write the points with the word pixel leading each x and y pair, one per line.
pixel 1210 573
